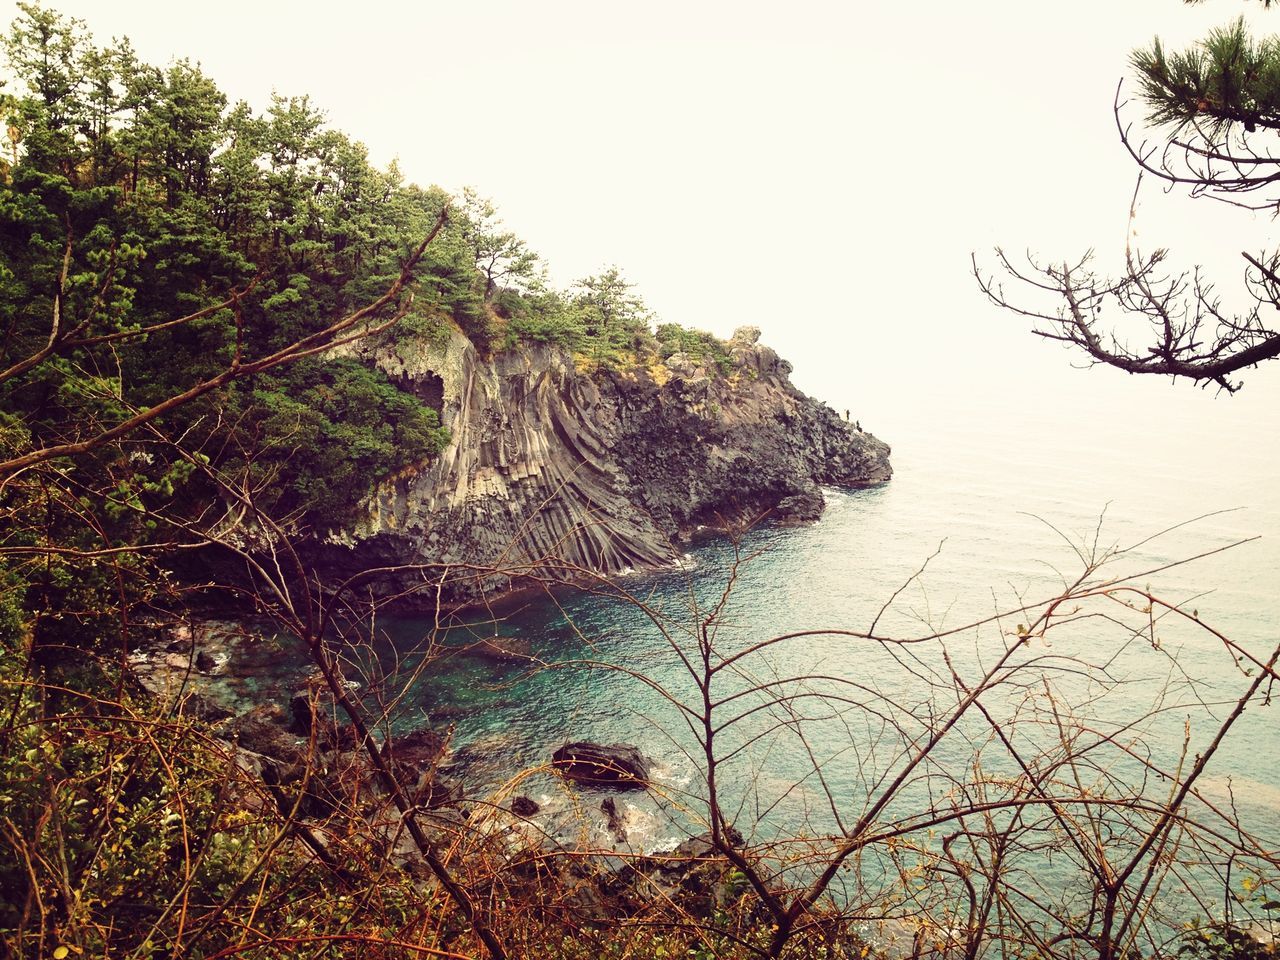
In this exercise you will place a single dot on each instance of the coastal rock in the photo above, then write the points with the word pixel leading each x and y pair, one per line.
pixel 313 708
pixel 416 758
pixel 556 471
pixel 301 713
pixel 613 820
pixel 419 749
pixel 199 707
pixel 617 765
pixel 498 650
pixel 695 848
pixel 262 730
pixel 523 806
pixel 180 639
pixel 803 507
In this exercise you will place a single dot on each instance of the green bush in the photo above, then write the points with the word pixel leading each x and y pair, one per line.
pixel 333 428
pixel 704 348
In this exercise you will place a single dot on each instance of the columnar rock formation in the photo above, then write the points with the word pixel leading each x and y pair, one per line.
pixel 553 469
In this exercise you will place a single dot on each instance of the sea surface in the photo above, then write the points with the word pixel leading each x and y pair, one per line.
pixel 1004 493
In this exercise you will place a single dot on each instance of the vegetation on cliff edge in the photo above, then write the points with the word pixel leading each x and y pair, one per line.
pixel 173 269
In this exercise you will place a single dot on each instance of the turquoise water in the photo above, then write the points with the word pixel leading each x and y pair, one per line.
pixel 1001 491
pixel 1005 496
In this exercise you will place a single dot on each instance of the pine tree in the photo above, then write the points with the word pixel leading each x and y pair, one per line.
pixel 1216 108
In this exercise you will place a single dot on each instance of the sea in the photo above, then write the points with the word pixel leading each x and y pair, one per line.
pixel 896 605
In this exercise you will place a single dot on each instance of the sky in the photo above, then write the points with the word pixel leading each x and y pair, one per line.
pixel 820 170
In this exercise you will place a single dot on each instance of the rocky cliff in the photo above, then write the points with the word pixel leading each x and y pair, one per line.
pixel 554 471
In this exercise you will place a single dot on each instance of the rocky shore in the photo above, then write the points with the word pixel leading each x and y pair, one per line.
pixel 557 471
pixel 590 862
pixel 312 765
pixel 560 471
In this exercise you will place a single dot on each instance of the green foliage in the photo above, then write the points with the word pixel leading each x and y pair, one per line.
pixel 703 348
pixel 1227 78
pixel 128 831
pixel 164 199
pixel 544 317
pixel 603 320
pixel 353 427
pixel 136 194
pixel 502 260
pixel 133 202
pixel 1226 940
pixel 614 319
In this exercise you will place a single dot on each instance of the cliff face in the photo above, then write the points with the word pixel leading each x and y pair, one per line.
pixel 553 471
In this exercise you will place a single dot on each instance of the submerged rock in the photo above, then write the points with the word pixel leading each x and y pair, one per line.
pixel 523 806
pixel 617 765
pixel 498 650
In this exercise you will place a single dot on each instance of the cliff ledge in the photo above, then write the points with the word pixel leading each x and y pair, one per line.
pixel 553 470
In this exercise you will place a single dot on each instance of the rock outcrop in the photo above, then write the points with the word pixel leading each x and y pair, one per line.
pixel 556 471
pixel 617 765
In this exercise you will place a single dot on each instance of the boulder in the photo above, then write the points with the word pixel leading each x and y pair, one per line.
pixel 179 639
pixel 695 872
pixel 524 807
pixel 322 791
pixel 415 758
pixel 699 847
pixel 262 731
pixel 300 715
pixel 330 734
pixel 613 819
pixel 681 364
pixel 805 506
pixel 420 748
pixel 617 765
pixel 202 708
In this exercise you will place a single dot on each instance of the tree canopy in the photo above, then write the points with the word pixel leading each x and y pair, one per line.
pixel 162 232
pixel 175 266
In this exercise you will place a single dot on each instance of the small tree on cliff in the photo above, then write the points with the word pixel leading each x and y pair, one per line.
pixel 1218 107
pixel 501 257
pixel 613 318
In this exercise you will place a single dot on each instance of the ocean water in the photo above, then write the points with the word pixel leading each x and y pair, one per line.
pixel 1005 495
pixel 1003 491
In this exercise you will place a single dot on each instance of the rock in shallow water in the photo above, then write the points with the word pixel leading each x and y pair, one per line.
pixel 617 765
pixel 498 650
pixel 803 507
pixel 613 819
pixel 524 807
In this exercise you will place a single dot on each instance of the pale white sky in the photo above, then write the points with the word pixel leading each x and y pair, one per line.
pixel 822 170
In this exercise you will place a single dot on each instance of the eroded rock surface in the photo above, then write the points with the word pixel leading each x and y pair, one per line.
pixel 555 472
pixel 617 765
